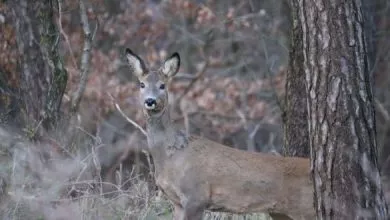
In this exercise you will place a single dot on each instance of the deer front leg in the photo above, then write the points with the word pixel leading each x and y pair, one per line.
pixel 194 197
pixel 193 206
pixel 189 212
pixel 193 213
pixel 178 213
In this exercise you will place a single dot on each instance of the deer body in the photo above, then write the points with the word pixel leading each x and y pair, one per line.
pixel 197 174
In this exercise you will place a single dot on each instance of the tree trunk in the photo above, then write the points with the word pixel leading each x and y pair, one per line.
pixel 43 77
pixel 296 137
pixel 341 115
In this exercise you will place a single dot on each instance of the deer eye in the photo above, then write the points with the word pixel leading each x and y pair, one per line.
pixel 142 85
pixel 162 86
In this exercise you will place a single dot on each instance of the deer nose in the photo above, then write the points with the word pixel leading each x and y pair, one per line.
pixel 150 102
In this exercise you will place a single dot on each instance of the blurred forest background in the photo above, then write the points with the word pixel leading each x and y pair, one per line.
pixel 230 89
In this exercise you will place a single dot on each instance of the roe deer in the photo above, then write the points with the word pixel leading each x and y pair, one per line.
pixel 197 174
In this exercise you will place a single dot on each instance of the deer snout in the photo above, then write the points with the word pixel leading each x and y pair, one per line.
pixel 150 103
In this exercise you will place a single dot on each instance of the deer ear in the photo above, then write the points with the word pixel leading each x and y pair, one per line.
pixel 171 65
pixel 136 64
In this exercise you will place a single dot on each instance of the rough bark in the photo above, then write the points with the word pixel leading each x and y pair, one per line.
pixel 296 137
pixel 370 8
pixel 342 131
pixel 9 108
pixel 43 77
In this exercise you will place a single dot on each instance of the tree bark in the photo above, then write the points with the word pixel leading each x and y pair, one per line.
pixel 43 77
pixel 341 115
pixel 296 137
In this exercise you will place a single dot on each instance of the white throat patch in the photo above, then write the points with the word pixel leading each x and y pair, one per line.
pixel 150 107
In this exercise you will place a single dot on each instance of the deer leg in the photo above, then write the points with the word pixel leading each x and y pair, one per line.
pixel 193 211
pixel 194 198
pixel 178 213
pixel 193 214
pixel 187 213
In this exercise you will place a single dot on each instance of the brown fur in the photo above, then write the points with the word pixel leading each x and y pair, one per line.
pixel 197 174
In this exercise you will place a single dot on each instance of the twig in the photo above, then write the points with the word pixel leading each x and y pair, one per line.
pixel 382 110
pixel 278 100
pixel 145 151
pixel 129 120
pixel 85 57
pixel 126 117
pixel 244 104
pixel 64 34
pixel 194 80
pixel 243 118
pixel 186 123
pixel 251 139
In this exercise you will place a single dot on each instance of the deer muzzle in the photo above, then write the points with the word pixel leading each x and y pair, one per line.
pixel 150 104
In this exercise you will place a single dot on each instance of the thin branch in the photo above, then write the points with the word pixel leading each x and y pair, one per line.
pixel 251 139
pixel 64 34
pixel 194 80
pixel 85 57
pixel 126 117
pixel 278 100
pixel 244 104
pixel 129 120
pixel 382 110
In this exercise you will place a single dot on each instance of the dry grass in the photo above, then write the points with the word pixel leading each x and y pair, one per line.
pixel 37 182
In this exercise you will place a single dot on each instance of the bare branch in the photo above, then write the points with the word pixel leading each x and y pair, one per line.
pixel 64 34
pixel 126 117
pixel 279 102
pixel 194 80
pixel 251 139
pixel 85 57
pixel 382 110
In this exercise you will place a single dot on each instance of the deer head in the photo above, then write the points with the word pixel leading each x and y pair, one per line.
pixel 152 83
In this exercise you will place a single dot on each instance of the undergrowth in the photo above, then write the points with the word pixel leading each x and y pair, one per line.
pixel 39 182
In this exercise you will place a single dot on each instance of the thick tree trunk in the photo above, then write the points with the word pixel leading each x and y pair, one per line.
pixel 296 137
pixel 43 77
pixel 342 131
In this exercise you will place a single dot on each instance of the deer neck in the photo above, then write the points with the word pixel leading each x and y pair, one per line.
pixel 160 124
pixel 160 135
